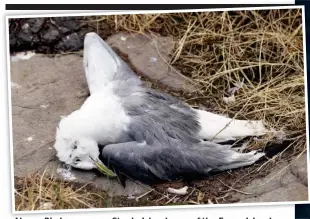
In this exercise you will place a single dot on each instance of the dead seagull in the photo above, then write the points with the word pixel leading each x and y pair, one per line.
pixel 144 134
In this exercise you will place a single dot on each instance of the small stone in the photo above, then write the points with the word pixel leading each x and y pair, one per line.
pixel 51 35
pixel 153 59
pixel 25 26
pixel 71 42
pixel 66 24
pixel 25 35
pixel 35 40
pixel 15 85
pixel 66 174
pixel 35 24
pixel 44 106
pixel 229 99
pixel 83 93
pixel 46 206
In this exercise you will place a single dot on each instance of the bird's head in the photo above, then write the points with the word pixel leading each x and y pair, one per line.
pixel 79 153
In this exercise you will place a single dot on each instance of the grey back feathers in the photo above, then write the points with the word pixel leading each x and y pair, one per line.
pixel 157 116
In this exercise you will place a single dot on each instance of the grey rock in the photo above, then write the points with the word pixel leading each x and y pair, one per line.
pixel 286 182
pixel 25 34
pixel 13 42
pixel 47 35
pixel 51 35
pixel 291 192
pixel 299 169
pixel 35 24
pixel 35 40
pixel 70 42
pixel 66 24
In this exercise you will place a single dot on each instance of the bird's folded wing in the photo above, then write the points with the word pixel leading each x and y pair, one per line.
pixel 158 162
pixel 158 116
pixel 102 65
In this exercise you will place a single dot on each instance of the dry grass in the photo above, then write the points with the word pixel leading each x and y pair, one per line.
pixel 40 192
pixel 216 51
pixel 45 192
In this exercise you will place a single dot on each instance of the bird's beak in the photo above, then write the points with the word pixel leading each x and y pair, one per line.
pixel 103 168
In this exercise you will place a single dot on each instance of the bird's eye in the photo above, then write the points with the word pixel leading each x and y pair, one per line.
pixel 76 161
pixel 75 145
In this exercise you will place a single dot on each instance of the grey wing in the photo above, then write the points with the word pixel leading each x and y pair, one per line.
pixel 148 163
pixel 158 116
pixel 102 65
pixel 159 162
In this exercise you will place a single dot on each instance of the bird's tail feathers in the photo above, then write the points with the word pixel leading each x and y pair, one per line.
pixel 219 128
pixel 223 157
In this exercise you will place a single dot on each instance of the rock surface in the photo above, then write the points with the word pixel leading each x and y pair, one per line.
pixel 47 35
pixel 286 182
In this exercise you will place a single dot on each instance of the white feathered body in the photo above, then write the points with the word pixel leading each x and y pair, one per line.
pixel 101 118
